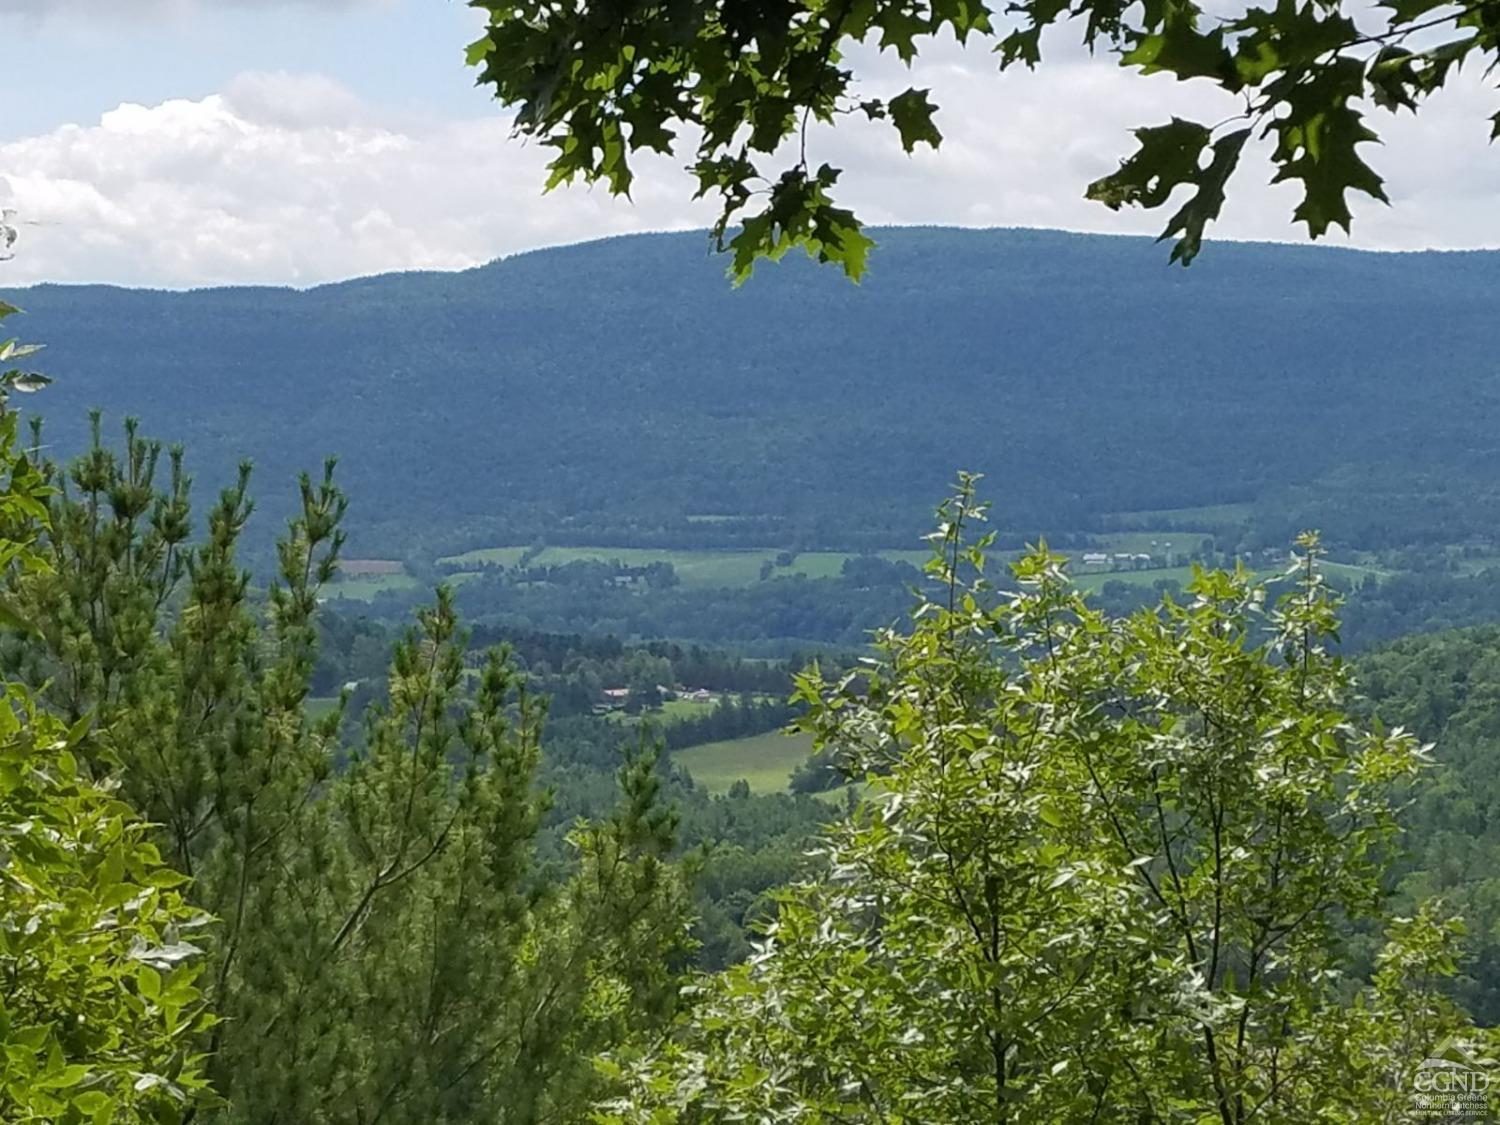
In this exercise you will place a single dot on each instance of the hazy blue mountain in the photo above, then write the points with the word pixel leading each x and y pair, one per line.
pixel 614 388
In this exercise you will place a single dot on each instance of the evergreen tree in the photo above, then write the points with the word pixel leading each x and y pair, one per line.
pixel 385 950
pixel 100 1013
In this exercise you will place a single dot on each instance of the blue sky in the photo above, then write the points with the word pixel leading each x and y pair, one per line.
pixel 69 61
pixel 190 142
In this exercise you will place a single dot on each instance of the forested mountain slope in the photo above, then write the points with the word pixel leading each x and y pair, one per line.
pixel 614 389
pixel 1446 688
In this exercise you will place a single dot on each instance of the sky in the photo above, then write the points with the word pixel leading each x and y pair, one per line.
pixel 180 143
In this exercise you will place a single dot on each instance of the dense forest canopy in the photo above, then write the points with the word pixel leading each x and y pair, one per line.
pixel 617 392
pixel 1446 687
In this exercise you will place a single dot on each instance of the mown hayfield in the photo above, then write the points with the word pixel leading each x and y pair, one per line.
pixel 1354 572
pixel 696 568
pixel 486 556
pixel 766 761
pixel 672 711
pixel 1147 542
pixel 366 587
pixel 1182 575
pixel 742 567
pixel 1095 580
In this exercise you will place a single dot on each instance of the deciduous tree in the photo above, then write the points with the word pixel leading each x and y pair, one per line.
pixel 1107 872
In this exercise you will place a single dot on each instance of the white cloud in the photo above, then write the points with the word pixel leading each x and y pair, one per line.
pixel 1020 148
pixel 292 179
pixel 289 179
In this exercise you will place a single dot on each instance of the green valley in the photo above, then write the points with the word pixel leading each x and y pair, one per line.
pixel 483 769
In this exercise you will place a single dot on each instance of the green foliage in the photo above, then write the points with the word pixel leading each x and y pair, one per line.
pixel 1446 687
pixel 101 1014
pixel 1171 156
pixel 597 90
pixel 385 949
pixel 13 378
pixel 1105 872
pixel 748 78
pixel 101 1018
pixel 23 511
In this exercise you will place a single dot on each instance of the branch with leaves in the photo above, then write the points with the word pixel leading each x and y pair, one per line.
pixel 734 84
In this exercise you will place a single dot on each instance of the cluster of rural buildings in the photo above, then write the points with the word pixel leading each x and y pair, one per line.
pixel 619 696
pixel 1125 560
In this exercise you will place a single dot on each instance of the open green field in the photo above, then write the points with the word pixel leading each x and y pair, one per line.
pixel 766 761
pixel 366 587
pixel 1149 542
pixel 675 710
pixel 1354 572
pixel 672 711
pixel 1182 575
pixel 1095 580
pixel 713 569
pixel 1477 563
pixel 320 705
pixel 702 568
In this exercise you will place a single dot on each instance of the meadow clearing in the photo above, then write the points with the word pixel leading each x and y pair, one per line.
pixel 766 761
pixel 735 568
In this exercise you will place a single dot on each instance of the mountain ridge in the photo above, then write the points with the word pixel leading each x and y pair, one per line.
pixel 613 388
pixel 703 232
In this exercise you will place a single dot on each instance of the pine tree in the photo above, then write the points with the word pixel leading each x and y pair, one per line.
pixel 384 949
pixel 100 1013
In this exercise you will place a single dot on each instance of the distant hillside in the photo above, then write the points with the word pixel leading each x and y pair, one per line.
pixel 613 390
